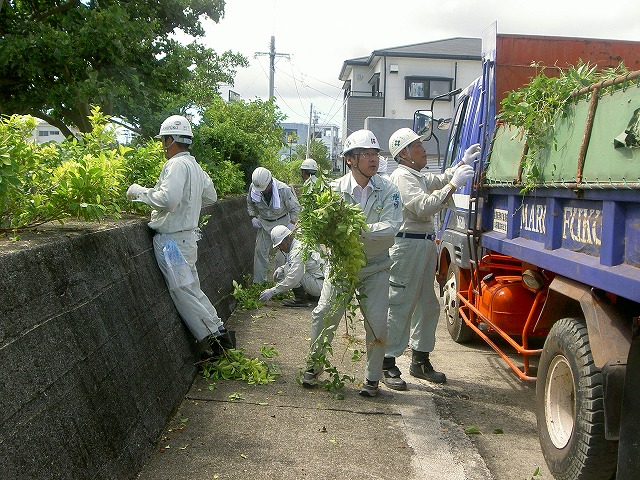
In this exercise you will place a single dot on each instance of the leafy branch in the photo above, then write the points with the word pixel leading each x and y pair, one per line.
pixel 536 107
pixel 333 226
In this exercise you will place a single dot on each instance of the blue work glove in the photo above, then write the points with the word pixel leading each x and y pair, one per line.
pixel 255 221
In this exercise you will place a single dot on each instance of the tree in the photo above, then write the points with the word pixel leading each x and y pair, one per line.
pixel 317 150
pixel 59 57
pixel 244 132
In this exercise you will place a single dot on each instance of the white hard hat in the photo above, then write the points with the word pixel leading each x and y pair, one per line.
pixel 261 178
pixel 309 164
pixel 178 127
pixel 401 138
pixel 278 234
pixel 360 139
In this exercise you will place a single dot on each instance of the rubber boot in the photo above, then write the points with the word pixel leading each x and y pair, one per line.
pixel 421 368
pixel 224 340
pixel 391 374
pixel 299 298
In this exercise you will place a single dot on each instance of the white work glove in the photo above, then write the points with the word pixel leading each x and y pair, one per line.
pixel 267 294
pixel 278 272
pixel 471 154
pixel 461 175
pixel 134 191
pixel 255 221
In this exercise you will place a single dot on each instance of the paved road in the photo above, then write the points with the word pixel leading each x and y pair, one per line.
pixel 282 431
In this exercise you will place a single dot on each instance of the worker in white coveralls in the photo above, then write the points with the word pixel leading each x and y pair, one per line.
pixel 270 202
pixel 309 170
pixel 303 277
pixel 380 201
pixel 181 191
pixel 413 306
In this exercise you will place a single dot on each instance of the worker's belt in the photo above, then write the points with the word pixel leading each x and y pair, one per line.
pixel 419 236
pixel 279 218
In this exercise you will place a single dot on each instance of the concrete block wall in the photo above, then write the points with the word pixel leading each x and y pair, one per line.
pixel 93 355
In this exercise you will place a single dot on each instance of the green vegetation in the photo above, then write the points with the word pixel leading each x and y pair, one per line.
pixel 535 108
pixel 84 179
pixel 326 220
pixel 59 58
pixel 233 365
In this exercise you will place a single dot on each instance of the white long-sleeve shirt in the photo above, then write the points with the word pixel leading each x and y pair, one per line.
pixel 382 209
pixel 295 268
pixel 423 195
pixel 183 188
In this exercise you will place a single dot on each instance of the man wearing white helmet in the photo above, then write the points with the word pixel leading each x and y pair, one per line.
pixel 380 201
pixel 308 170
pixel 413 306
pixel 181 191
pixel 270 202
pixel 303 277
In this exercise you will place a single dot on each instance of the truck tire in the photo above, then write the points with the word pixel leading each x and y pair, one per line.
pixel 570 407
pixel 459 331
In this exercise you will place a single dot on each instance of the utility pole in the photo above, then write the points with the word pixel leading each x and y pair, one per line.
pixel 272 63
pixel 309 130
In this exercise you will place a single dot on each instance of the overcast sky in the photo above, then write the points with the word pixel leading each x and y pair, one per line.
pixel 319 36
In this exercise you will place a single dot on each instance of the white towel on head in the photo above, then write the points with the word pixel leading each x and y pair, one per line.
pixel 275 195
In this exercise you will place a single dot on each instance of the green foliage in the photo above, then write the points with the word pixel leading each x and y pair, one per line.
pixel 326 220
pixel 233 365
pixel 245 133
pixel 227 177
pixel 83 178
pixel 537 106
pixel 317 150
pixel 537 475
pixel 247 297
pixel 58 58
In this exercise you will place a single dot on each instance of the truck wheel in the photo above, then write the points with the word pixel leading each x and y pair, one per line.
pixel 459 331
pixel 570 407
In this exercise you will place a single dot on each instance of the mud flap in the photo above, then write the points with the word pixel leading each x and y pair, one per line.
pixel 629 446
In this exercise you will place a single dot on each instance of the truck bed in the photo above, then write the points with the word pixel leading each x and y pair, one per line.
pixel 582 220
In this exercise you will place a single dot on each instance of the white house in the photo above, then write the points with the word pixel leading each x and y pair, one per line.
pixel 382 91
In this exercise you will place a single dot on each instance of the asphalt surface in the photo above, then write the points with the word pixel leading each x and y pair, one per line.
pixel 284 431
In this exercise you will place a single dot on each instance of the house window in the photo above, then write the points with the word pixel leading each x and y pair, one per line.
pixel 43 133
pixel 426 88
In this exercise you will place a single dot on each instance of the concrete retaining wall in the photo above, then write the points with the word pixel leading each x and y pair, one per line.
pixel 93 355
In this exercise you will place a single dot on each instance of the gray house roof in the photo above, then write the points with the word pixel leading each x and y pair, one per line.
pixel 457 48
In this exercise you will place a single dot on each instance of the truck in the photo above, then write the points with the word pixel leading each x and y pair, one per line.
pixel 545 268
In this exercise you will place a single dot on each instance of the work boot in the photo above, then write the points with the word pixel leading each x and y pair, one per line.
pixel 299 298
pixel 421 368
pixel 391 374
pixel 369 388
pixel 222 340
pixel 310 378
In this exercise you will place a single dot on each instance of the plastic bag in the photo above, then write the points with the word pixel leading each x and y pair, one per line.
pixel 178 270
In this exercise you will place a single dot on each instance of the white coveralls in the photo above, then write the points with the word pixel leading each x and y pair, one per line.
pixel 182 189
pixel 384 215
pixel 309 274
pixel 413 306
pixel 283 209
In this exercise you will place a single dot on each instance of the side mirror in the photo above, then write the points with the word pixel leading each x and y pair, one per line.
pixel 423 123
